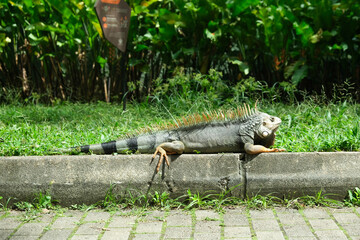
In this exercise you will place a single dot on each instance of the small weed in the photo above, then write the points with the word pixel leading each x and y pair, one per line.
pixel 353 198
pixel 197 201
pixel 4 205
pixel 320 199
pixel 40 202
pixel 260 202
pixel 139 203
pixel 83 207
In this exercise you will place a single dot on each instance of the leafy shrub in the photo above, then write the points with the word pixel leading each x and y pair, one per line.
pixel 53 50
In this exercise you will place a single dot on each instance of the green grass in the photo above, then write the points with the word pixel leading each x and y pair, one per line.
pixel 140 203
pixel 37 129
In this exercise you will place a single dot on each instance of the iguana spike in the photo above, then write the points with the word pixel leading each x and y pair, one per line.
pixel 190 119
pixel 249 109
pixel 245 110
pixel 148 129
pixel 204 117
pixel 198 118
pixel 208 116
pixel 238 111
pixel 193 119
pixel 184 121
pixel 220 115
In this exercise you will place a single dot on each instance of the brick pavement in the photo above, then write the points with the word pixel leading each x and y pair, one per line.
pixel 238 223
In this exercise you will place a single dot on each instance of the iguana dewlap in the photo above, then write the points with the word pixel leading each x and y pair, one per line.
pixel 244 130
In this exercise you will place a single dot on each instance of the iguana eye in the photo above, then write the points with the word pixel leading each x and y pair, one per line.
pixel 272 119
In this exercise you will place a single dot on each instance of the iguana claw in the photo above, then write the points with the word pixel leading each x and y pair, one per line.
pixel 175 147
pixel 279 150
pixel 162 156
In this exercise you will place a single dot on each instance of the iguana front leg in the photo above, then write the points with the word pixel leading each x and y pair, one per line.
pixel 175 147
pixel 256 149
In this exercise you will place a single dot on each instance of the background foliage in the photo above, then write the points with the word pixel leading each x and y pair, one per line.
pixel 54 50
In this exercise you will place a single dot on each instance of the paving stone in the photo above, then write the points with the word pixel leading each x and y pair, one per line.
pixel 14 214
pixel 179 219
pixel 178 232
pixel 265 225
pixel 331 234
pixel 235 219
pixel 206 236
pixel 147 236
pixel 73 213
pixel 323 224
pixel 341 210
pixel 84 237
pixel 279 211
pixel 31 229
pixel 153 216
pixel 179 225
pixel 298 231
pixel 90 228
pixel 149 227
pixel 358 210
pixel 302 238
pixel 117 234
pixel 262 214
pixel 97 216
pixel 206 214
pixel 45 218
pixel 271 235
pixel 9 223
pixel 233 232
pixel 311 213
pixel 24 237
pixel 4 234
pixel 57 234
pixel 65 222
pixel 352 229
pixel 291 219
pixel 347 218
pixel 207 227
pixel 122 221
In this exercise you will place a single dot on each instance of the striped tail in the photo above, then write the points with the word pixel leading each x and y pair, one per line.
pixel 102 148
pixel 120 146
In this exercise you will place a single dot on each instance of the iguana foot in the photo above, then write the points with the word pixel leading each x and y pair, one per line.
pixel 256 149
pixel 165 149
pixel 163 155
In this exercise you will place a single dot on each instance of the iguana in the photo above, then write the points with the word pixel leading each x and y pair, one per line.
pixel 241 130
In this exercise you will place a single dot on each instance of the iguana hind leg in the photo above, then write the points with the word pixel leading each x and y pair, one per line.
pixel 256 149
pixel 167 148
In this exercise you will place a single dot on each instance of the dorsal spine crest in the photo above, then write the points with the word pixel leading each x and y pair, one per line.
pixel 240 113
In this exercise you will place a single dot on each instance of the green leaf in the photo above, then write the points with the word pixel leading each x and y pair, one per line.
pixel 102 61
pixel 238 6
pixel 304 30
pixel 191 7
pixel 141 47
pixel 299 74
pixel 40 26
pixel 244 67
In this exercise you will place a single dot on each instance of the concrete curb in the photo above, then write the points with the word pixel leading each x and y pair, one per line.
pixel 87 178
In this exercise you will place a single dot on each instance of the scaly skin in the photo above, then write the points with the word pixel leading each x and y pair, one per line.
pixel 253 133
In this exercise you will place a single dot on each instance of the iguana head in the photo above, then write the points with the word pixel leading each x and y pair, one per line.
pixel 269 125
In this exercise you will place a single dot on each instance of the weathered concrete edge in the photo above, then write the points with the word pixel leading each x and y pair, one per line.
pixel 87 178
pixel 299 174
